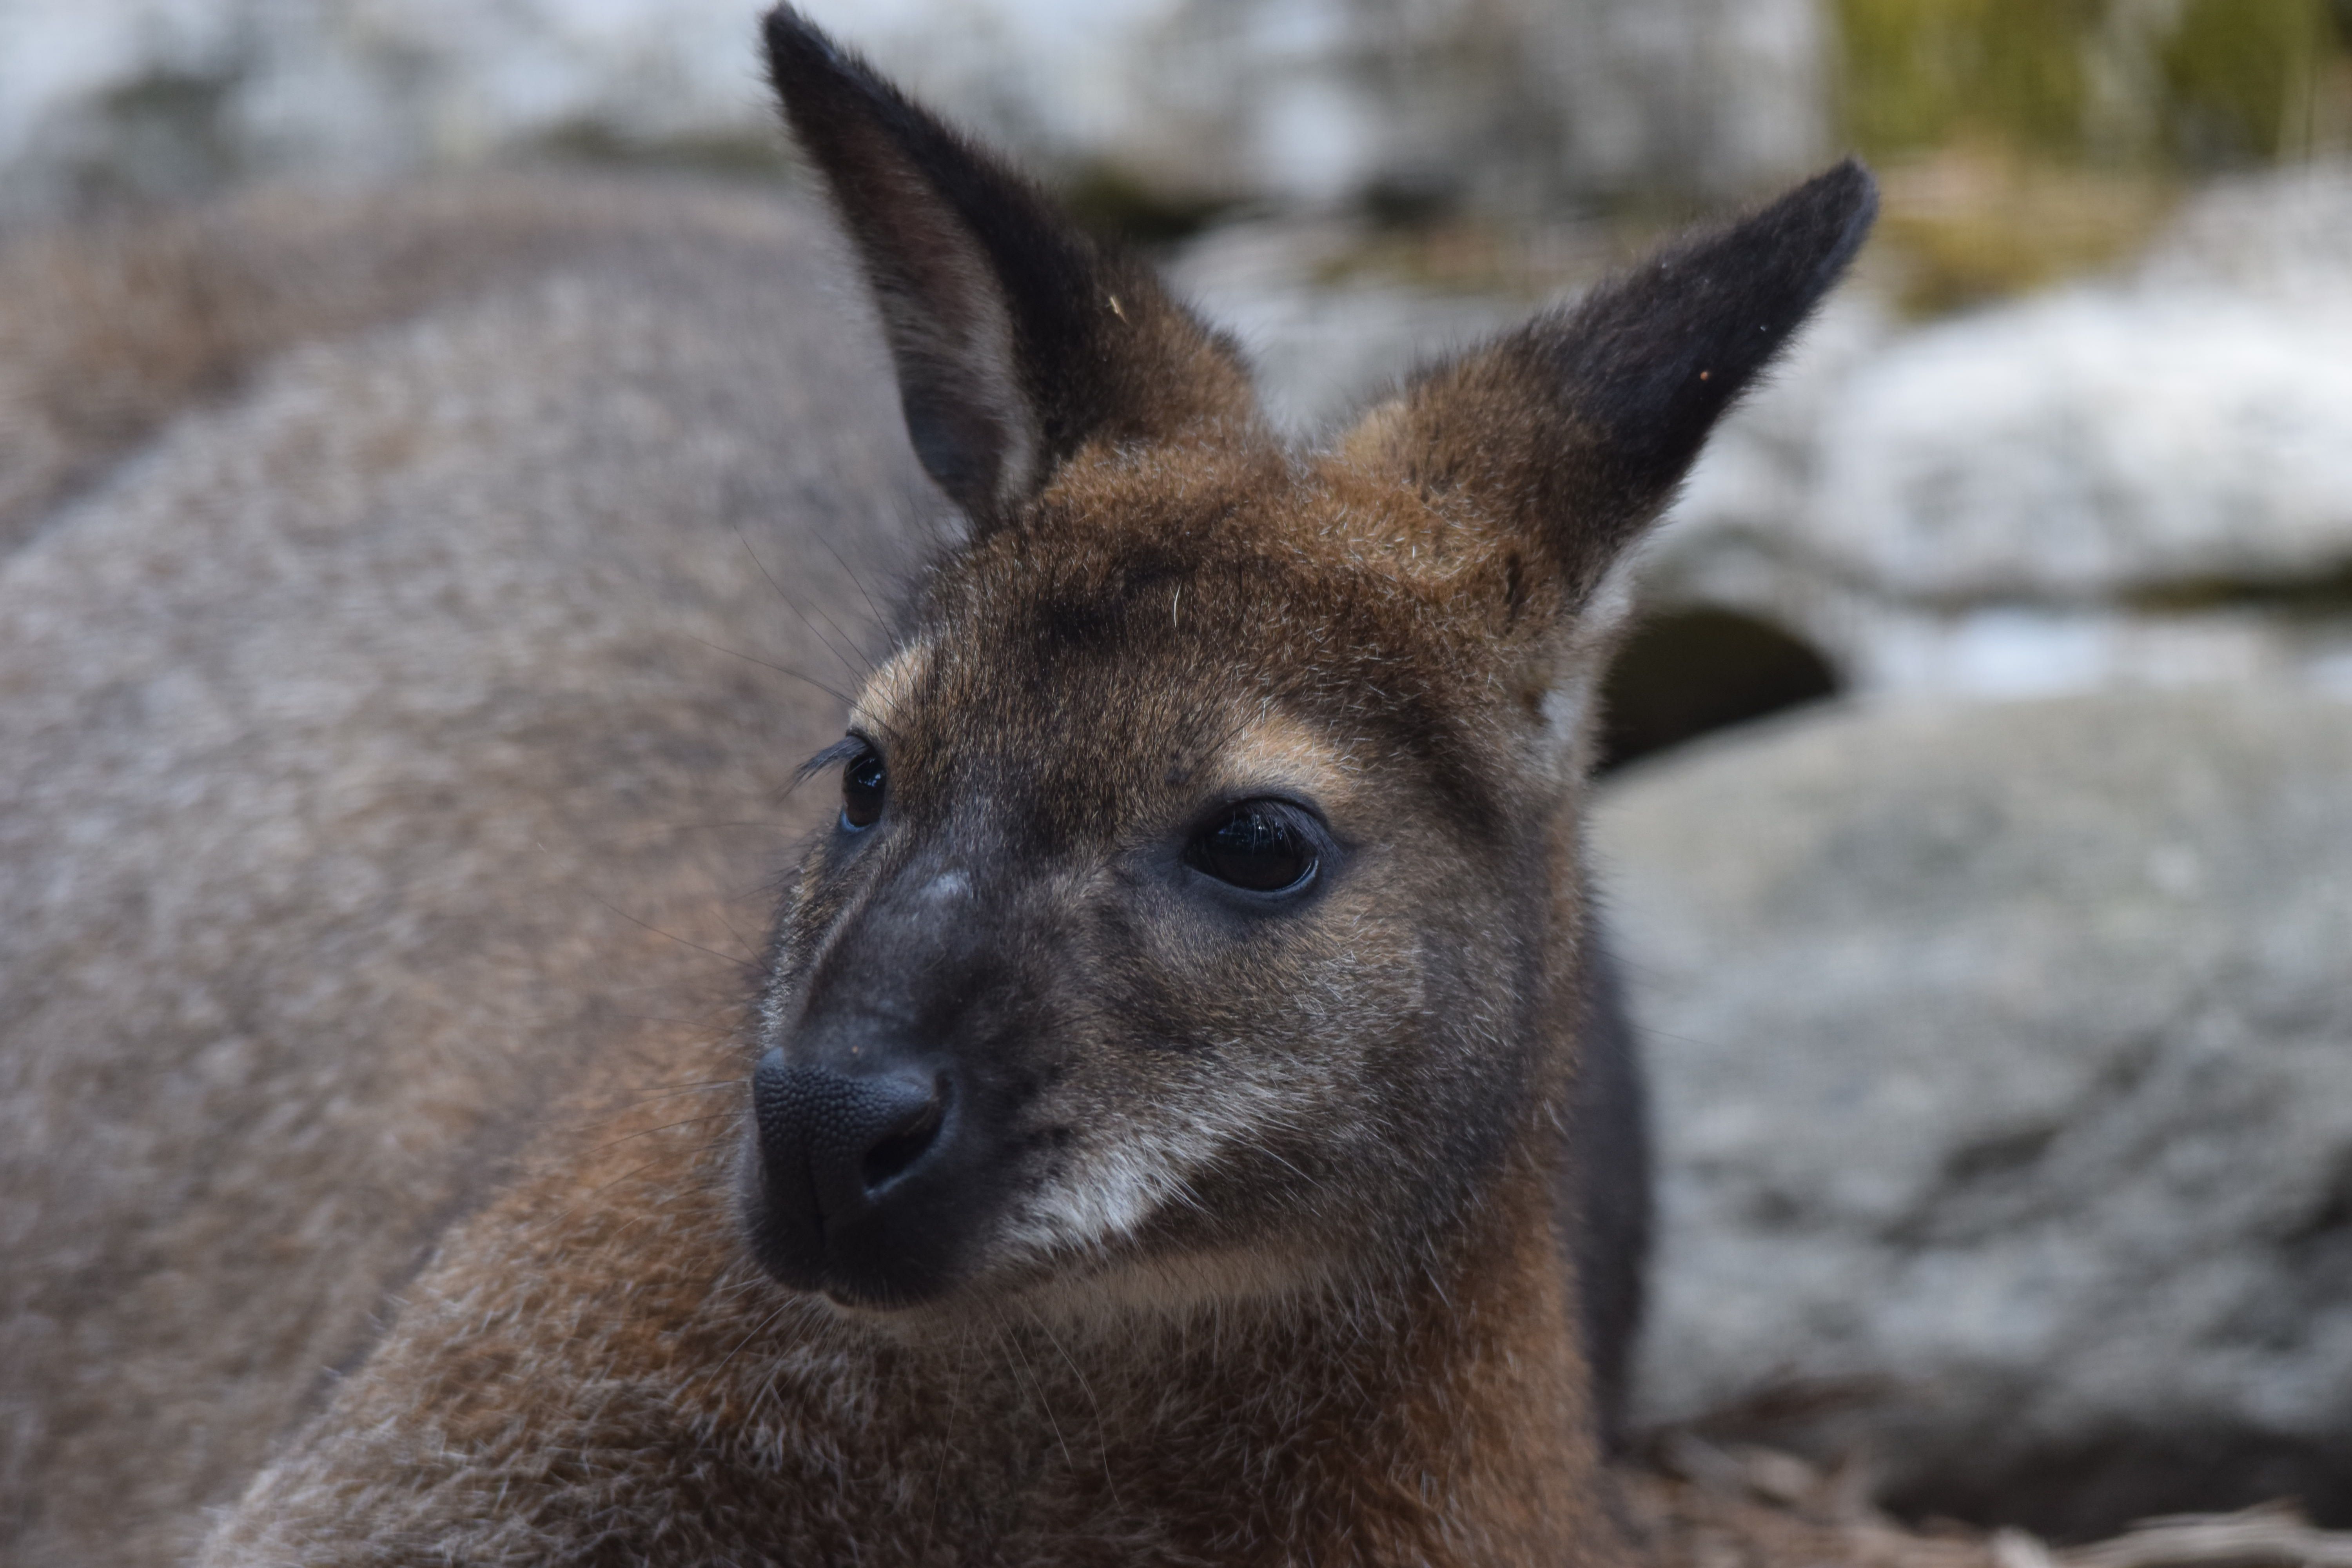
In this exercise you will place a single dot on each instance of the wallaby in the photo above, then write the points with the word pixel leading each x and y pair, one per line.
pixel 1178 1116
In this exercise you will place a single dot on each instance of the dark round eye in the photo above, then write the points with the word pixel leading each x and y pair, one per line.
pixel 861 789
pixel 1259 845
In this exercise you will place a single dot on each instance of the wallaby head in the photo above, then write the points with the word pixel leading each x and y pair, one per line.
pixel 1203 912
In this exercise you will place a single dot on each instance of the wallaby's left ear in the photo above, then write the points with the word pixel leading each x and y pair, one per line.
pixel 1573 431
pixel 1017 339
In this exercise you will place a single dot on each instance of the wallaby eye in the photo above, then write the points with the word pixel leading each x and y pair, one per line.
pixel 1259 845
pixel 861 789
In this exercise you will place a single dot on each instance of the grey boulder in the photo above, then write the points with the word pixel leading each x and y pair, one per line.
pixel 2097 444
pixel 2003 1068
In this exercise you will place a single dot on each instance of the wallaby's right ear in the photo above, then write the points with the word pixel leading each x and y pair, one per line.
pixel 1573 431
pixel 1017 340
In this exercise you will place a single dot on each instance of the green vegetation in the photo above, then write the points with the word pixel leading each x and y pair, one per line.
pixel 2190 83
pixel 1970 225
pixel 2325 592
pixel 756 154
pixel 1920 73
pixel 2025 141
pixel 1112 202
pixel 2247 78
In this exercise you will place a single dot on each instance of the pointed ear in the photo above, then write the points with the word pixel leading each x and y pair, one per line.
pixel 1574 431
pixel 1017 340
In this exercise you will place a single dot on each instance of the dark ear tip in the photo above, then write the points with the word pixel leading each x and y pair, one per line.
pixel 783 28
pixel 1850 185
pixel 796 45
pixel 1842 200
pixel 783 24
pixel 1848 182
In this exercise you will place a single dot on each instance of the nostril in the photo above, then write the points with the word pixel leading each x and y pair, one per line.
pixel 899 1150
pixel 834 1145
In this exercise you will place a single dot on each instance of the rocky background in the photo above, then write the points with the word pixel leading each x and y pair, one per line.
pixel 1980 837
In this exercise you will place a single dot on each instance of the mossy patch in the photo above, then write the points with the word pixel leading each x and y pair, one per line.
pixel 757 153
pixel 2028 140
pixel 1110 201
pixel 1972 224
pixel 1920 73
pixel 2250 79
pixel 2167 83
pixel 2323 593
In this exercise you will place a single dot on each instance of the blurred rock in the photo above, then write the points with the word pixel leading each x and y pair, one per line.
pixel 1167 101
pixel 2098 443
pixel 167 98
pixel 2145 481
pixel 2003 1067
pixel 1515 104
pixel 2285 235
pixel 1714 97
pixel 1323 341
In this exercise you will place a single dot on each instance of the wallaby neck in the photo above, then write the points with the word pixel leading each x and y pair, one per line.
pixel 1439 1418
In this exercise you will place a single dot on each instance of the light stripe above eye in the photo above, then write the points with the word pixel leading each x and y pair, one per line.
pixel 881 699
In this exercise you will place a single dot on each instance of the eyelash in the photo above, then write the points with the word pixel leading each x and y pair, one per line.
pixel 843 750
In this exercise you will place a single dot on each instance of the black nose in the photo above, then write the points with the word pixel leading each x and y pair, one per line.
pixel 832 1144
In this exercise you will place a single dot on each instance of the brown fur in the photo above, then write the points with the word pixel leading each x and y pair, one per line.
pixel 380 744
pixel 397 772
pixel 644 1392
pixel 107 334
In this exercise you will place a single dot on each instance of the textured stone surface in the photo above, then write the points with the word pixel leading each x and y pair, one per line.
pixel 2096 442
pixel 2285 235
pixel 2189 425
pixel 2003 1062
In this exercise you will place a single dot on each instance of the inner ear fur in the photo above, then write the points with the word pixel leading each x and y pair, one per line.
pixel 1017 339
pixel 1572 432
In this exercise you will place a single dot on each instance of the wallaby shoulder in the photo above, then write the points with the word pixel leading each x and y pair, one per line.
pixel 393 708
pixel 111 329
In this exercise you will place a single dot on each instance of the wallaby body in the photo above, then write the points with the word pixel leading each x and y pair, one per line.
pixel 359 736
pixel 1146 1137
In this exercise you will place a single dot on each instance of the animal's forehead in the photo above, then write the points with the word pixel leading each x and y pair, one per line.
pixel 1195 639
pixel 1111 687
pixel 1096 750
pixel 1287 560
pixel 1159 627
